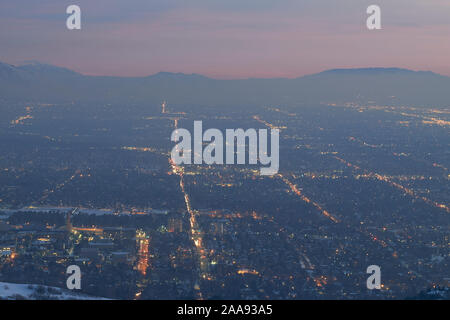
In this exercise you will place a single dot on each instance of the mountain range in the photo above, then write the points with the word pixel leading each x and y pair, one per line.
pixel 387 86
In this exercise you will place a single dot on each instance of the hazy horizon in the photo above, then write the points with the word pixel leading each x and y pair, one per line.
pixel 34 62
pixel 225 150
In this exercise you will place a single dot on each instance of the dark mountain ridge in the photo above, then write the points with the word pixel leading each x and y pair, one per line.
pixel 389 86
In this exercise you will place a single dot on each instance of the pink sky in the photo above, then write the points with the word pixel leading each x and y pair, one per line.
pixel 228 42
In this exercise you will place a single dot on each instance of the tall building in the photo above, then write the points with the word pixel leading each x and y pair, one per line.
pixel 69 222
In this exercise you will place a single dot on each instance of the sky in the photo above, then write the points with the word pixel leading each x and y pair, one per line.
pixel 226 38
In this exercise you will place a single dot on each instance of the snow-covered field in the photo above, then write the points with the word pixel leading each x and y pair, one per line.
pixel 14 291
